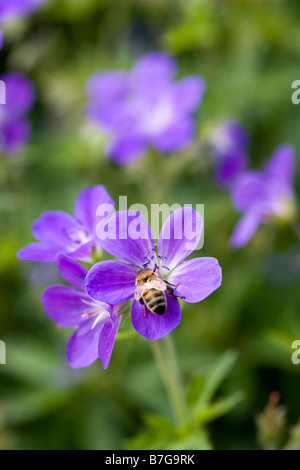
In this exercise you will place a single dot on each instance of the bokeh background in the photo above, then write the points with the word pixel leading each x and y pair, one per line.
pixel 249 54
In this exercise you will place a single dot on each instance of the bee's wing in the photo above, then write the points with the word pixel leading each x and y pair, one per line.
pixel 139 289
pixel 157 283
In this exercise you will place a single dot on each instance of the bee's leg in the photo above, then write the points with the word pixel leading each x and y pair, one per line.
pixel 170 290
pixel 169 284
pixel 143 303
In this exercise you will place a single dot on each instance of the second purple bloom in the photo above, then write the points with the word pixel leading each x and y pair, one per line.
pixel 144 106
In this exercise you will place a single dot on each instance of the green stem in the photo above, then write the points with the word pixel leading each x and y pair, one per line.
pixel 165 356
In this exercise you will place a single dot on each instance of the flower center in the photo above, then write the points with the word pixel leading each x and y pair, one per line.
pixel 78 235
pixel 284 208
pixel 152 260
pixel 95 310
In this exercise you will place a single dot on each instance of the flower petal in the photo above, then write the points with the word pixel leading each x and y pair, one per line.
pixel 107 340
pixel 20 94
pixel 118 117
pixel 14 135
pixel 249 190
pixel 127 147
pixel 112 282
pixel 282 164
pixel 229 136
pixel 86 206
pixel 229 165
pixel 197 278
pixel 188 93
pixel 152 69
pixel 71 271
pixel 156 326
pixel 245 229
pixel 38 252
pixel 83 252
pixel 12 8
pixel 55 227
pixel 127 236
pixel 180 235
pixel 65 305
pixel 82 349
pixel 176 136
pixel 107 86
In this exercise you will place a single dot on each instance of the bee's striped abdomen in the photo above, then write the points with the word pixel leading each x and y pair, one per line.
pixel 155 301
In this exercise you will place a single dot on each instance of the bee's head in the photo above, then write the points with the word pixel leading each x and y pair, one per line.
pixel 144 275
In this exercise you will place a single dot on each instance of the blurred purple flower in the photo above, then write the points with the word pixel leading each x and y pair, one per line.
pixel 114 282
pixel 14 125
pixel 97 322
pixel 12 8
pixel 59 232
pixel 229 142
pixel 145 107
pixel 263 195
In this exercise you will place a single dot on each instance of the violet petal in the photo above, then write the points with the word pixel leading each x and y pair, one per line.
pixel 155 326
pixel 197 278
pixel 180 235
pixel 112 282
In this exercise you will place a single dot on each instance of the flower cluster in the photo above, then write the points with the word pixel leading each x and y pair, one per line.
pixel 93 301
pixel 15 127
pixel 144 107
pixel 229 142
pixel 264 195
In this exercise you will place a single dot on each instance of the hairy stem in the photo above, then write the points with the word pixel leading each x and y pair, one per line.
pixel 165 356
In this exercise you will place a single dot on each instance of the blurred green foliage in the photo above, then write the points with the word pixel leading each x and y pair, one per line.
pixel 248 52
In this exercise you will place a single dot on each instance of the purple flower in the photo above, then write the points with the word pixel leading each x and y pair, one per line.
pixel 97 322
pixel 59 232
pixel 115 282
pixel 14 126
pixel 144 107
pixel 229 142
pixel 263 195
pixel 11 8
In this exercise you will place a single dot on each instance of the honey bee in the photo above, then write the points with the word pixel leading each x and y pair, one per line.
pixel 150 289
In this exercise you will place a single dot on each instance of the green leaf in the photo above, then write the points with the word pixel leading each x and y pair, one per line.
pixel 161 434
pixel 208 383
pixel 214 379
pixel 219 407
